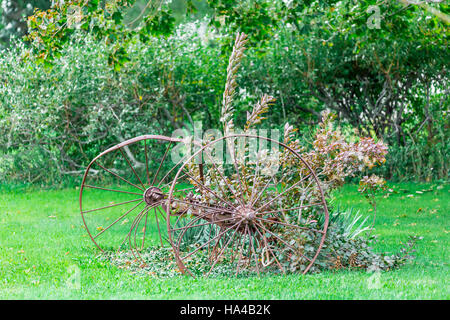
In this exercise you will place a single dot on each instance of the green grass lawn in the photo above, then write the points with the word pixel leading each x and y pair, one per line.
pixel 43 247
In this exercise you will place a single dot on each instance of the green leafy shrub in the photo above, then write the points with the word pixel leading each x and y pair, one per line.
pixel 53 121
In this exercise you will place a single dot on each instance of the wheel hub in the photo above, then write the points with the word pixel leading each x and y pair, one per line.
pixel 153 195
pixel 246 213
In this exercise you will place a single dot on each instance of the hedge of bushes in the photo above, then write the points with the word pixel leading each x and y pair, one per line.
pixel 54 120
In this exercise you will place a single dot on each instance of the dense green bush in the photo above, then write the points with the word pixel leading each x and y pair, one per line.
pixel 53 120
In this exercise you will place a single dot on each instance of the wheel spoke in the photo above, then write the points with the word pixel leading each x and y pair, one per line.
pixel 209 190
pixel 262 190
pixel 278 196
pixel 291 209
pixel 168 172
pixel 162 214
pixel 270 250
pixel 110 206
pixel 146 162
pixel 254 182
pixel 106 189
pixel 287 244
pixel 128 161
pixel 289 225
pixel 161 163
pixel 203 224
pixel 116 175
pixel 118 219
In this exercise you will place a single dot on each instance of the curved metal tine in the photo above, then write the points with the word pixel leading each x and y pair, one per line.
pixel 210 227
pixel 135 226
pixel 224 180
pixel 254 251
pixel 258 245
pixel 128 161
pixel 215 209
pixel 159 230
pixel 173 168
pixel 278 196
pixel 204 224
pixel 215 246
pixel 292 209
pixel 185 189
pixel 283 210
pixel 178 219
pixel 242 249
pixel 114 190
pixel 210 191
pixel 161 213
pixel 110 206
pixel 190 223
pixel 131 229
pixel 223 249
pixel 132 226
pixel 287 244
pixel 118 219
pixel 289 225
pixel 300 211
pixel 249 252
pixel 276 187
pixel 220 234
pixel 167 184
pixel 145 231
pixel 134 248
pixel 162 161
pixel 145 228
pixel 117 176
pixel 235 250
pixel 266 243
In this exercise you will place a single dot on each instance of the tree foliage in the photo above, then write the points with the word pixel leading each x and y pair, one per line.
pixel 13 15
pixel 381 66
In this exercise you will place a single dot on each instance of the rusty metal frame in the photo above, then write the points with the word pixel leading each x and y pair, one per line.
pixel 175 248
pixel 166 200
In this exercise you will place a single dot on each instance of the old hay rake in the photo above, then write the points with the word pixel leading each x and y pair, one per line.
pixel 243 200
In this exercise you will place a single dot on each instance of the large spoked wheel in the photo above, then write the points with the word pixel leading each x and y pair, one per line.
pixel 122 193
pixel 255 205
